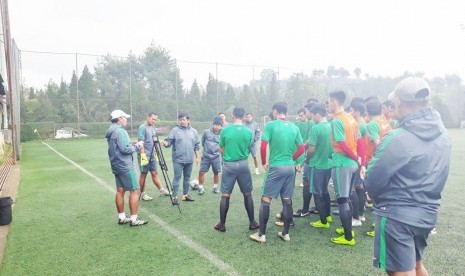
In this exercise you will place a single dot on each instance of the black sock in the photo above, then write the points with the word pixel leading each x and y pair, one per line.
pixel 307 196
pixel 287 207
pixel 263 215
pixel 224 206
pixel 248 203
pixel 321 206
pixel 362 198
pixel 327 199
pixel 346 217
pixel 354 205
pixel 282 212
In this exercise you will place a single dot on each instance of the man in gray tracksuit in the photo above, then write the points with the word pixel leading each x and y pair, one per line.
pixel 253 126
pixel 184 141
pixel 211 155
pixel 405 179
pixel 120 151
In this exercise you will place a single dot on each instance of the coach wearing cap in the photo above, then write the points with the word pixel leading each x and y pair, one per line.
pixel 120 151
pixel 405 179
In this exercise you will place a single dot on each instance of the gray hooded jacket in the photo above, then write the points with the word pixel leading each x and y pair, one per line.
pixel 120 149
pixel 211 145
pixel 253 126
pixel 409 170
pixel 184 142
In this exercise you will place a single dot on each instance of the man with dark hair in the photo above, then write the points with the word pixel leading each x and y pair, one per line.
pixel 223 119
pixel 120 151
pixel 370 98
pixel 357 100
pixel 348 156
pixel 358 194
pixel 253 126
pixel 211 155
pixel 388 110
pixel 406 178
pixel 319 156
pixel 377 127
pixel 235 141
pixel 184 141
pixel 305 125
pixel 286 146
pixel 146 134
pixel 312 101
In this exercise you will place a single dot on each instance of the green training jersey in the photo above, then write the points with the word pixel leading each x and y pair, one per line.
pixel 321 139
pixel 283 138
pixel 311 124
pixel 362 125
pixel 304 129
pixel 235 140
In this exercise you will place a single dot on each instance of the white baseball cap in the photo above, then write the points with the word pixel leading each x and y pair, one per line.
pixel 411 89
pixel 119 113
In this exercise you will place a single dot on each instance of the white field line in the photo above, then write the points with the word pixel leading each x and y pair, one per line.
pixel 204 252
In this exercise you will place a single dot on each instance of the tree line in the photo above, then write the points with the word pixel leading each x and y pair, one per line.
pixel 152 82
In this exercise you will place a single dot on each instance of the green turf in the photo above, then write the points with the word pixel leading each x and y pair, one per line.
pixel 65 223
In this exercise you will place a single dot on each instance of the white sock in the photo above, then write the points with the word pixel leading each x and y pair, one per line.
pixel 133 218
pixel 215 185
pixel 121 215
pixel 200 187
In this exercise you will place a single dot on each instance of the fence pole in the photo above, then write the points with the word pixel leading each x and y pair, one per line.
pixel 130 94
pixel 176 90
pixel 77 95
pixel 217 88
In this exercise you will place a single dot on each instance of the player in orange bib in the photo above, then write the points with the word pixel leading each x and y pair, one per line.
pixel 349 152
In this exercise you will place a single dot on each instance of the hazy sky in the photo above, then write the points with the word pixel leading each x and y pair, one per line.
pixel 380 37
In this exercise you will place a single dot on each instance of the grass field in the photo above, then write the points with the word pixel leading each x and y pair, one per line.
pixel 65 223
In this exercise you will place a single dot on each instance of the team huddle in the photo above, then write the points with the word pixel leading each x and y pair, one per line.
pixel 394 154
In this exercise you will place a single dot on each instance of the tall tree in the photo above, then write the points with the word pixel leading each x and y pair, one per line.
pixel 193 99
pixel 162 78
pixel 272 92
pixel 246 98
pixel 90 104
pixel 229 98
pixel 210 98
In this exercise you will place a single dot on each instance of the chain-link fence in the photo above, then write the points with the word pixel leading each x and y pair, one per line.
pixel 10 75
pixel 78 91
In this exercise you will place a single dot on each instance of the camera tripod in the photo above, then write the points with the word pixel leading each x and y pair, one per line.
pixel 163 167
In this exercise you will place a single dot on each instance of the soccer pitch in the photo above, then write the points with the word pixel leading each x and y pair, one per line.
pixel 64 222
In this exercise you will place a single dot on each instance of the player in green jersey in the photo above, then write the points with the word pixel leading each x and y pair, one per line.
pixel 285 146
pixel 235 141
